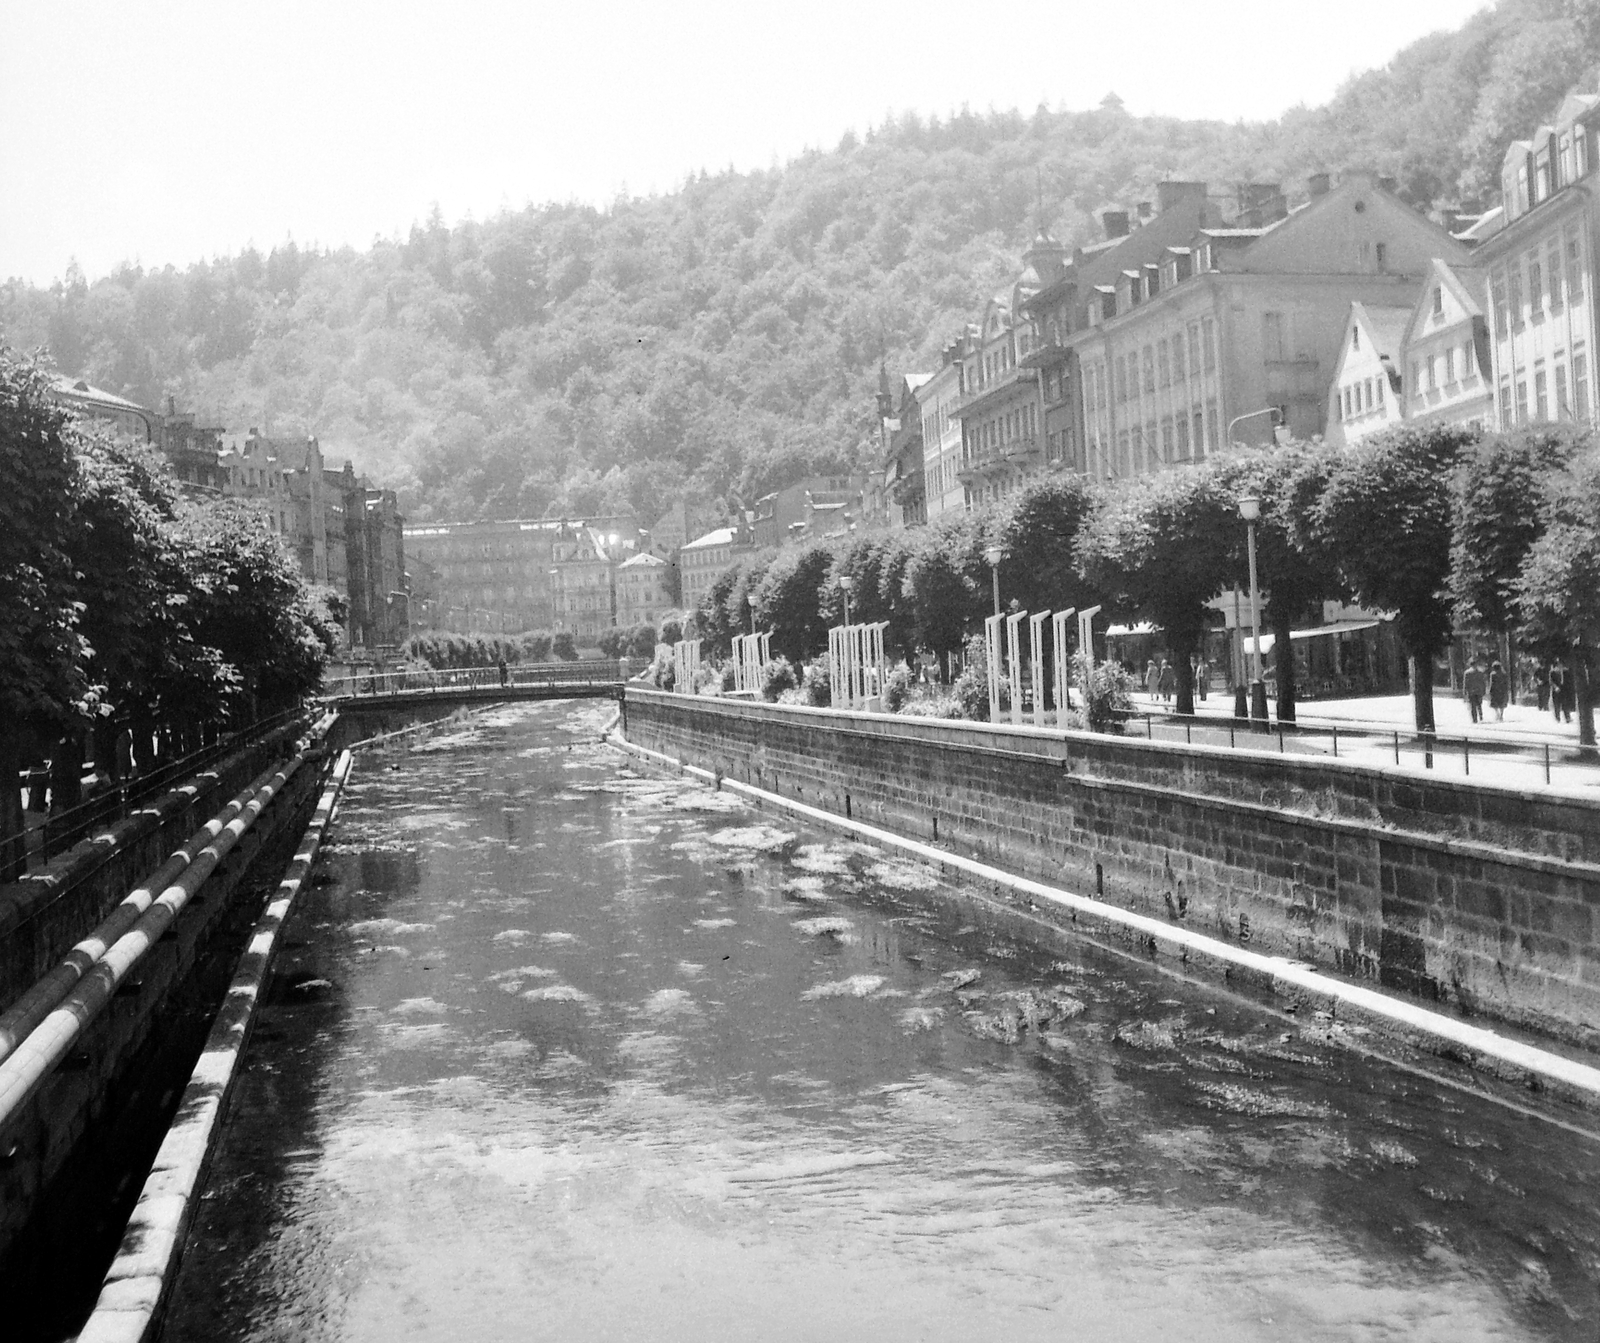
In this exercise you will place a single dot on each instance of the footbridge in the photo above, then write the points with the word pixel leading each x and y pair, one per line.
pixel 451 688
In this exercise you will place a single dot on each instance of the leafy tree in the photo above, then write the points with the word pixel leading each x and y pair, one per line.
pixel 789 601
pixel 642 642
pixel 941 592
pixel 1295 570
pixel 562 647
pixel 1385 516
pixel 1039 533
pixel 1160 546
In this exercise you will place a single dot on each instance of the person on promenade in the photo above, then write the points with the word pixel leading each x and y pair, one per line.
pixel 1152 679
pixel 1558 690
pixel 504 673
pixel 1473 685
pixel 1169 680
pixel 1499 691
pixel 1541 685
pixel 1202 675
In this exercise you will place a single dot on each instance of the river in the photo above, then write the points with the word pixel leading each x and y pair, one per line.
pixel 559 1049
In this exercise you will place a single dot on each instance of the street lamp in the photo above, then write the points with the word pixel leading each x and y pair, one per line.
pixel 1250 415
pixel 845 584
pixel 994 554
pixel 1250 511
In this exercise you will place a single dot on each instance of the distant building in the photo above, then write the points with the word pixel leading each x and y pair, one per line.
pixel 706 557
pixel 816 506
pixel 900 442
pixel 941 433
pixel 643 593
pixel 1541 268
pixel 1367 392
pixel 99 406
pixel 1448 358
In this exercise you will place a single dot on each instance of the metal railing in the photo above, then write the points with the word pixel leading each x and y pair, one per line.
pixel 60 830
pixel 597 672
pixel 1510 757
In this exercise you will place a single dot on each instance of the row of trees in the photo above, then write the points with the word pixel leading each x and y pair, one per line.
pixel 442 650
pixel 1442 527
pixel 125 605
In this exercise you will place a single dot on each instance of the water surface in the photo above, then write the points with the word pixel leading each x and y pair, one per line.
pixel 561 1050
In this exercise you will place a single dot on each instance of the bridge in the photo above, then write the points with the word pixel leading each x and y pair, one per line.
pixel 450 687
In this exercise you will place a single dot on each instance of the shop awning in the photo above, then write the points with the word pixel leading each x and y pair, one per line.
pixel 1311 632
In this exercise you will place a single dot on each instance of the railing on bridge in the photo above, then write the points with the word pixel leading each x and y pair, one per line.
pixel 563 675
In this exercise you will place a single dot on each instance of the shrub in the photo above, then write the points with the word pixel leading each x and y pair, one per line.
pixel 729 679
pixel 562 647
pixel 1107 694
pixel 536 645
pixel 971 688
pixel 897 689
pixel 776 677
pixel 671 631
pixel 817 683
pixel 642 642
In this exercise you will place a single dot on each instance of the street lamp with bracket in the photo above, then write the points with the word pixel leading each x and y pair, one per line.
pixel 845 584
pixel 994 554
pixel 1250 511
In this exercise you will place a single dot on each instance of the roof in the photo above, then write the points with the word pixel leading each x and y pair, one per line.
pixel 643 560
pixel 79 390
pixel 1386 326
pixel 722 536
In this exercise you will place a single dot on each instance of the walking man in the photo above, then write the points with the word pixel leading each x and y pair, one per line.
pixel 1473 685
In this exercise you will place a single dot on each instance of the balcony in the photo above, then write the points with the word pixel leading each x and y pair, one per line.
pixel 995 391
pixel 1046 354
pixel 1014 455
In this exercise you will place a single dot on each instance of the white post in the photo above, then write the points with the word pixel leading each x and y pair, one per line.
pixel 1014 671
pixel 1063 677
pixel 835 669
pixel 1086 636
pixel 991 648
pixel 1036 652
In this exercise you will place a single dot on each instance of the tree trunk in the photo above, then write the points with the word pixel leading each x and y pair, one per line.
pixel 1181 649
pixel 1283 669
pixel 13 827
pixel 1422 689
pixel 1583 674
pixel 66 773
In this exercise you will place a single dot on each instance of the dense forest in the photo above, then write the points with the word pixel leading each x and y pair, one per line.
pixel 723 339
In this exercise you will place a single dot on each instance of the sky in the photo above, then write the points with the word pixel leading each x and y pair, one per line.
pixel 157 133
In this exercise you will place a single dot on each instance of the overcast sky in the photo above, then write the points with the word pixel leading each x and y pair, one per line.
pixel 166 132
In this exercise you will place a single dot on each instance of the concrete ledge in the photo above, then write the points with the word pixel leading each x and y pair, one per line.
pixel 1188 952
pixel 141 1276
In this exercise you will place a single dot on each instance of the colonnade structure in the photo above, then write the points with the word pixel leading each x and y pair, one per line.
pixel 751 652
pixel 856 664
pixel 1007 660
pixel 685 665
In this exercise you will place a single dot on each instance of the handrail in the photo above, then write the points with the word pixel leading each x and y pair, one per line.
pixel 587 673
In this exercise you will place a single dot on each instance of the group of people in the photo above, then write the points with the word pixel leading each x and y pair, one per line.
pixel 1553 683
pixel 1161 680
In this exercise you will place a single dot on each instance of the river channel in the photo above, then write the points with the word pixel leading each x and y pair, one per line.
pixel 559 1049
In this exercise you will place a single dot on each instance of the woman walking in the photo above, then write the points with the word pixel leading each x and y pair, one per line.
pixel 1499 691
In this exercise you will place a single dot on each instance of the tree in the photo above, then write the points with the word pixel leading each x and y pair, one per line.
pixel 941 593
pixel 788 601
pixel 1039 533
pixel 1296 571
pixel 1160 546
pixel 562 647
pixel 1385 516
pixel 1499 510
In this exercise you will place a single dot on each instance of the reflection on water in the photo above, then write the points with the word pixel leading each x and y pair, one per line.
pixel 562 1051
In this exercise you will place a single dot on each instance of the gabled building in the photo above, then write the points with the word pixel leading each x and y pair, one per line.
pixel 120 415
pixel 1367 382
pixel 941 432
pixel 643 592
pixel 900 437
pixel 1541 268
pixel 1448 359
pixel 704 558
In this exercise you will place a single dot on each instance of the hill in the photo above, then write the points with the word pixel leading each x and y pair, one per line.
pixel 723 339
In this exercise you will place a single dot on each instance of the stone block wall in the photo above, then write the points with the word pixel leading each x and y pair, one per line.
pixel 1479 896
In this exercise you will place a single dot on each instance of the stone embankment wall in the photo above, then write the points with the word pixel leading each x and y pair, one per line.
pixel 1480 896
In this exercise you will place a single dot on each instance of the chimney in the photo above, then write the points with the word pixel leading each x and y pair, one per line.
pixel 1169 194
pixel 1144 210
pixel 1317 184
pixel 1115 223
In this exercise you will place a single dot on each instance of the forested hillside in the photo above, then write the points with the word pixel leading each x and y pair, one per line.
pixel 722 340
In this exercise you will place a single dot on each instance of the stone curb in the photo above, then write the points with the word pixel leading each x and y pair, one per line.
pixel 141 1276
pixel 1346 1004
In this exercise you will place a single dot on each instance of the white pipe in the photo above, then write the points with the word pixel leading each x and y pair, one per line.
pixel 36 1057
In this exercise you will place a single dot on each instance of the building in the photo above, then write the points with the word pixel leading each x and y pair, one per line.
pixel 816 506
pixel 702 560
pixel 644 594
pixel 583 580
pixel 1448 359
pixel 1367 392
pixel 900 446
pixel 484 577
pixel 941 432
pixel 374 542
pixel 1540 264
pixel 117 413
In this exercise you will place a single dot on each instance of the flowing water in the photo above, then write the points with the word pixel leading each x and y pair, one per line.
pixel 560 1050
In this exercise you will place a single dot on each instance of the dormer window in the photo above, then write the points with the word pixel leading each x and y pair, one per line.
pixel 1541 174
pixel 1438 301
pixel 1355 338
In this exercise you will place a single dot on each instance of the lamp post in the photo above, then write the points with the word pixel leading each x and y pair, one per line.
pixel 845 584
pixel 994 554
pixel 1250 511
pixel 1250 415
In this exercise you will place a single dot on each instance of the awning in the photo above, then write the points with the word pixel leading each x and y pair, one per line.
pixel 1143 627
pixel 1312 632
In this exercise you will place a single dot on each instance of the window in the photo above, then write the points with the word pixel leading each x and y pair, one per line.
pixel 1449 365
pixel 1122 378
pixel 1208 342
pixel 1194 349
pixel 1564 161
pixel 1468 363
pixel 1212 437
pixel 1163 364
pixel 1177 357
pixel 1541 399
pixel 1272 336
pixel 1366 394
pixel 1438 301
pixel 1554 268
pixel 1383 257
pixel 1149 369
pixel 1563 407
pixel 1355 338
pixel 1505 403
pixel 1166 441
pixel 1535 288
pixel 1497 291
pixel 1522 400
pixel 1416 377
pixel 1514 297
pixel 1344 403
pixel 1199 433
pixel 1580 385
pixel 1183 436
pixel 1574 271
pixel 1580 151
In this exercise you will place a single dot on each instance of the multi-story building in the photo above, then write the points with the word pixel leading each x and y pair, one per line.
pixel 704 558
pixel 374 538
pixel 816 506
pixel 900 443
pixel 1448 360
pixel 584 581
pixel 1541 271
pixel 1367 387
pixel 121 415
pixel 644 595
pixel 941 433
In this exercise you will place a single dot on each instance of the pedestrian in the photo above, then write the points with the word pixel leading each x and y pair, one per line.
pixel 1152 679
pixel 1473 685
pixel 1541 685
pixel 1169 680
pixel 1499 691
pixel 1558 690
pixel 1569 694
pixel 505 675
pixel 1202 675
